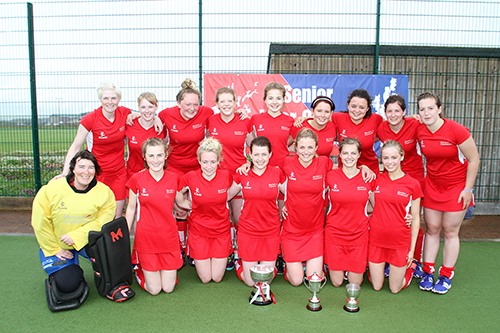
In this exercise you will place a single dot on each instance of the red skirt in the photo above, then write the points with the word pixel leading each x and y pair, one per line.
pixel 350 258
pixel 395 257
pixel 258 249
pixel 303 247
pixel 201 248
pixel 154 262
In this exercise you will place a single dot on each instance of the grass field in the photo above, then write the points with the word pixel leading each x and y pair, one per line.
pixel 472 305
pixel 16 157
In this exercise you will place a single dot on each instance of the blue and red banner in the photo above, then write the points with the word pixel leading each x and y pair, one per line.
pixel 301 90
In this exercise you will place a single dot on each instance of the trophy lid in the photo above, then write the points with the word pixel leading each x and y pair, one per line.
pixel 315 277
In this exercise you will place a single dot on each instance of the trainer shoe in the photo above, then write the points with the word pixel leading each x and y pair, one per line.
pixel 190 261
pixel 230 262
pixel 280 265
pixel 442 285
pixel 386 269
pixel 427 282
pixel 418 270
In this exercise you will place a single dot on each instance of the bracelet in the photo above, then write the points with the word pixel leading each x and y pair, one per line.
pixel 468 190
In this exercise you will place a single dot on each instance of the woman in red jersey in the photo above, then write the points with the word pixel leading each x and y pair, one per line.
pixel 235 135
pixel 302 237
pixel 391 240
pixel 322 108
pixel 452 162
pixel 404 130
pixel 106 126
pixel 142 129
pixel 260 225
pixel 359 122
pixel 209 241
pixel 156 253
pixel 346 229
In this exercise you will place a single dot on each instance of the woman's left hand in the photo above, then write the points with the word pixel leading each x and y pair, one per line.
pixel 367 173
pixel 410 259
pixel 284 212
pixel 242 113
pixel 67 239
pixel 408 220
pixel 158 125
pixel 466 197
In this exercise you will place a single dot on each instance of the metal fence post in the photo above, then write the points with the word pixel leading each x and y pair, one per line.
pixel 377 39
pixel 34 110
pixel 200 47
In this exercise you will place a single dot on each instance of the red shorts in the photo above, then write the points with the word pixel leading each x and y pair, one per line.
pixel 395 257
pixel 201 248
pixel 350 258
pixel 116 183
pixel 154 262
pixel 444 197
pixel 303 247
pixel 258 249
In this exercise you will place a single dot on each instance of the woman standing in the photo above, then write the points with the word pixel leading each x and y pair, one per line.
pixel 274 124
pixel 209 241
pixel 156 251
pixel 260 224
pixel 391 241
pixel 346 230
pixel 322 109
pixel 302 237
pixel 452 162
pixel 106 126
pixel 359 122
pixel 142 129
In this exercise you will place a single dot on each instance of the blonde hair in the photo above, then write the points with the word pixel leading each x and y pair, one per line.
pixel 188 87
pixel 210 145
pixel 274 86
pixel 224 90
pixel 154 142
pixel 306 133
pixel 108 86
pixel 349 142
pixel 393 144
pixel 150 97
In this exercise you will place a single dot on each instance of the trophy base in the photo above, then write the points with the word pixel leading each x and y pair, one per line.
pixel 314 307
pixel 351 310
pixel 259 301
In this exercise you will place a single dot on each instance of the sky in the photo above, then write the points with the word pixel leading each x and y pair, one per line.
pixel 153 45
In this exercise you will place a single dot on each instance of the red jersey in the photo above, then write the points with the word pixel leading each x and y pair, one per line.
pixel 365 132
pixel 347 219
pixel 260 216
pixel 393 199
pixel 305 194
pixel 106 139
pixel 407 136
pixel 326 137
pixel 156 230
pixel 185 136
pixel 209 211
pixel 136 135
pixel 277 130
pixel 444 161
pixel 232 136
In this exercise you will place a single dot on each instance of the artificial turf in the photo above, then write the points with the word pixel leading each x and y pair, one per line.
pixel 472 304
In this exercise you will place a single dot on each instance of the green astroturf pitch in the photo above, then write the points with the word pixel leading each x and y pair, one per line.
pixel 472 304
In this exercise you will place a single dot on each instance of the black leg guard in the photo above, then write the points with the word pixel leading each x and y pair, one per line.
pixel 109 251
pixel 59 301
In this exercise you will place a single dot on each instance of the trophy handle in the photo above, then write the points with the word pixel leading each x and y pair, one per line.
pixel 324 283
pixel 305 284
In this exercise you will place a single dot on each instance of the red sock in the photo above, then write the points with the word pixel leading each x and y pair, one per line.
pixel 429 267
pixel 139 276
pixel 409 274
pixel 418 246
pixel 447 271
pixel 238 267
pixel 284 274
pixel 176 280
pixel 182 228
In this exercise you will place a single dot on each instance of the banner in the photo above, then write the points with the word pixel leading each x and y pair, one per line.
pixel 301 90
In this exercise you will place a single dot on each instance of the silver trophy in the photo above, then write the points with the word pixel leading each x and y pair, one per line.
pixel 262 294
pixel 352 291
pixel 314 283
